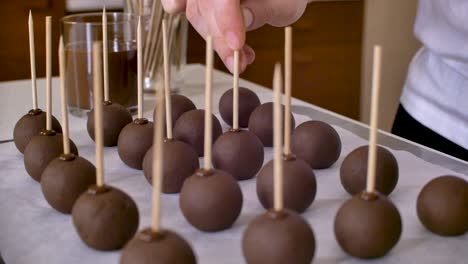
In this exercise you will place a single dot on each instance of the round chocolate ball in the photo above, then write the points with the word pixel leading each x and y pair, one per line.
pixel 105 217
pixel 239 153
pixel 114 118
pixel 41 150
pixel 261 123
pixel 442 206
pixel 368 225
pixel 299 184
pixel 211 200
pixel 30 125
pixel 277 238
pixel 134 141
pixel 248 101
pixel 180 104
pixel 317 143
pixel 163 247
pixel 190 128
pixel 353 171
pixel 179 161
pixel 64 179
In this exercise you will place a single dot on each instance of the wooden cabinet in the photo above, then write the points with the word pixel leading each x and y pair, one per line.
pixel 326 57
pixel 14 51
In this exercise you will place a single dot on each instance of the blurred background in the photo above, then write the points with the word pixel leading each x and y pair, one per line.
pixel 332 49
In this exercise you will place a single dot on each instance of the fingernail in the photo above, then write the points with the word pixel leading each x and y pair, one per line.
pixel 250 54
pixel 232 40
pixel 248 17
pixel 230 63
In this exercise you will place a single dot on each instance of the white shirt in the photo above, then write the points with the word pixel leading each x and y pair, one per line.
pixel 436 89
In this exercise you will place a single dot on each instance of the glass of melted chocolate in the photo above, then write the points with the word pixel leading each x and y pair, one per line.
pixel 79 31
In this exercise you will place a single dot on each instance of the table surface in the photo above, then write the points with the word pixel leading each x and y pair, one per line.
pixel 15 101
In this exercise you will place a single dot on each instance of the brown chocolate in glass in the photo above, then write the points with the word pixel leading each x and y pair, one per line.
pixel 122 74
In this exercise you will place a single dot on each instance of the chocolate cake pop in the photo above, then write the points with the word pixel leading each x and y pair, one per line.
pixel 154 243
pixel 179 160
pixel 210 200
pixel 248 101
pixel 47 145
pixel 299 183
pixel 180 104
pixel 317 143
pixel 279 235
pixel 137 137
pixel 41 150
pixel 442 206
pixel 31 125
pixel 116 116
pixel 238 152
pixel 165 246
pixel 353 171
pixel 261 125
pixel 34 121
pixel 104 217
pixel 261 119
pixel 368 225
pixel 189 129
pixel 65 178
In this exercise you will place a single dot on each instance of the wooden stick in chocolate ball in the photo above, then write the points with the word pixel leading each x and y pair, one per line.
pixel 48 144
pixel 279 235
pixel 211 200
pixel 175 104
pixel 368 225
pixel 238 152
pixel 137 137
pixel 315 142
pixel 66 177
pixel 179 159
pixel 156 244
pixel 356 165
pixel 104 217
pixel 34 121
pixel 190 128
pixel 260 120
pixel 237 104
pixel 442 206
pixel 300 185
pixel 116 116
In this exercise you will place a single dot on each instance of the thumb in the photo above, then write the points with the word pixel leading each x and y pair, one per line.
pixel 278 13
pixel 174 6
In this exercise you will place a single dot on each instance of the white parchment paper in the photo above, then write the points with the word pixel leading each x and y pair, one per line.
pixel 32 232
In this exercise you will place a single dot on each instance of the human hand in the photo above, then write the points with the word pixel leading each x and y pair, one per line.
pixel 228 20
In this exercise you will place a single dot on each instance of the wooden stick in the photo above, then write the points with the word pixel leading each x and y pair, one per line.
pixel 105 52
pixel 235 97
pixel 277 126
pixel 167 89
pixel 157 161
pixel 32 57
pixel 140 68
pixel 288 88
pixel 98 130
pixel 208 99
pixel 63 99
pixel 374 119
pixel 49 72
